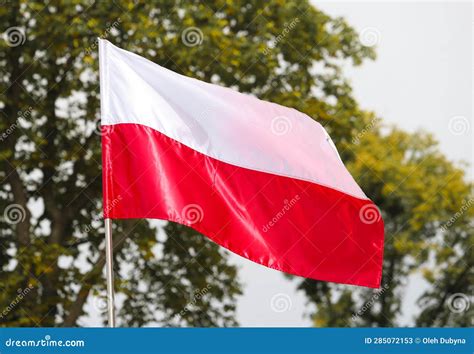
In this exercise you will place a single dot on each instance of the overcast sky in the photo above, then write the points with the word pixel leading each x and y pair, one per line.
pixel 422 79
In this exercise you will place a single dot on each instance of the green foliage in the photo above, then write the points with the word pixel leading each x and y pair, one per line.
pixel 50 160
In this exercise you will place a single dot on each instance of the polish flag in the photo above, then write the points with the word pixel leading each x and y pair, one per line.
pixel 262 180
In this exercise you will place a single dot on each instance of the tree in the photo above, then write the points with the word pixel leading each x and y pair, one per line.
pixel 51 232
pixel 426 205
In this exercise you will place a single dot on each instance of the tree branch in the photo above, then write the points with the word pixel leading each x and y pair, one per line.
pixel 76 309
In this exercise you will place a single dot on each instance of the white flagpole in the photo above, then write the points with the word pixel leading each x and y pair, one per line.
pixel 109 267
pixel 109 271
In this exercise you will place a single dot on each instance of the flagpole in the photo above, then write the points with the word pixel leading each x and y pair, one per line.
pixel 109 271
